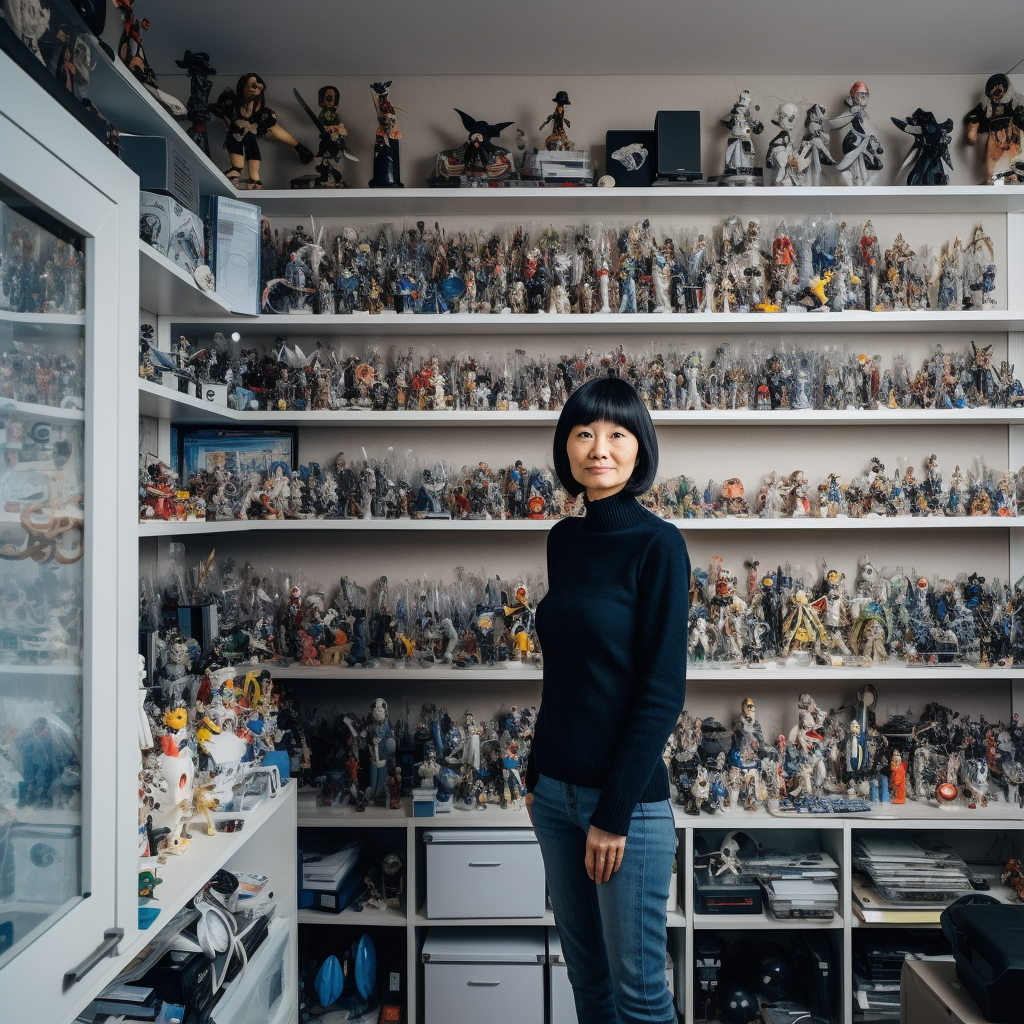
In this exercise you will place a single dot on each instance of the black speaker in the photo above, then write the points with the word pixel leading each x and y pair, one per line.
pixel 677 144
pixel 630 156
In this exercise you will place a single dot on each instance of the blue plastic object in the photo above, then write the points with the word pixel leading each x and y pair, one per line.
pixel 147 915
pixel 329 981
pixel 281 759
pixel 365 966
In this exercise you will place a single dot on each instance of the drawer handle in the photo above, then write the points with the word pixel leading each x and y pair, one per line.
pixel 485 863
pixel 486 984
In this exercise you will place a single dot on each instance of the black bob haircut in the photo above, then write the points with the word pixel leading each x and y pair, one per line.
pixel 612 400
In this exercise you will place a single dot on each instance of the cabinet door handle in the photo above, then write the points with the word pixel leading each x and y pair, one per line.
pixel 486 984
pixel 485 863
pixel 108 947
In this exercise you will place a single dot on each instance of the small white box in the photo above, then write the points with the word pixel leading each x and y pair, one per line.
pixel 483 974
pixel 215 394
pixel 484 873
pixel 172 229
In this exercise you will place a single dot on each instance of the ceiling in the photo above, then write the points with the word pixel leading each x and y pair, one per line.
pixel 381 38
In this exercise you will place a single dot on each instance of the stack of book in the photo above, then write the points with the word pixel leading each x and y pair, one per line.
pixel 798 885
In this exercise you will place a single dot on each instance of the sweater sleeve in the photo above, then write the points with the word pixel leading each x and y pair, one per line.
pixel 659 683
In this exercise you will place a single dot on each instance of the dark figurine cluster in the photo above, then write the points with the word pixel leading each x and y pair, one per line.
pixel 897 616
pixel 365 760
pixel 818 265
pixel 39 271
pixel 829 762
pixel 39 374
pixel 753 377
pixel 983 492
pixel 470 621
pixel 373 488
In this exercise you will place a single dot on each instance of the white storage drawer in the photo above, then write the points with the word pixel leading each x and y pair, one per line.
pixel 484 874
pixel 472 975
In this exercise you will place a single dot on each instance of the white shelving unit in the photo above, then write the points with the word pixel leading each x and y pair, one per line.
pixel 997 546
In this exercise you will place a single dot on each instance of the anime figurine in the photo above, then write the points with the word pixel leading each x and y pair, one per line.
pixel 558 140
pixel 197 67
pixel 386 167
pixel 930 149
pixel 478 159
pixel 1001 116
pixel 782 155
pixel 862 150
pixel 247 119
pixel 739 152
pixel 133 55
pixel 332 146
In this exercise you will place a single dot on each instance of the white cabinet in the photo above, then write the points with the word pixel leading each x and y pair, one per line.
pixel 68 752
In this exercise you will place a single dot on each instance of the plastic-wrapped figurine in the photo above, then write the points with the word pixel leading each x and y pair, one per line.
pixel 930 149
pixel 1001 116
pixel 386 166
pixel 739 152
pixel 478 159
pixel 862 151
pixel 782 156
pixel 558 140
pixel 247 119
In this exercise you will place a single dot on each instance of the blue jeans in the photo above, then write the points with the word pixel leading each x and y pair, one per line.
pixel 614 934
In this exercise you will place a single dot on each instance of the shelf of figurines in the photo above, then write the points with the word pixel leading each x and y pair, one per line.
pixel 167 403
pixel 165 288
pixel 822 321
pixel 181 875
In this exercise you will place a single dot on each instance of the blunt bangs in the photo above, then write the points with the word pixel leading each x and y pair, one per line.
pixel 612 400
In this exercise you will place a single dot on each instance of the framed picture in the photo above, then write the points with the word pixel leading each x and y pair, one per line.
pixel 235 451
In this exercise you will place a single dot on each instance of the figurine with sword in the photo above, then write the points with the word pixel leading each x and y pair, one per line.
pixel 332 141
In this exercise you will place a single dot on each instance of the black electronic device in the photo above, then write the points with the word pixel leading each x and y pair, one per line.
pixel 727 893
pixel 630 156
pixel 813 956
pixel 988 945
pixel 707 974
pixel 677 146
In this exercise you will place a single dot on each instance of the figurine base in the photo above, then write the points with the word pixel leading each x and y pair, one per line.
pixel 734 179
pixel 314 181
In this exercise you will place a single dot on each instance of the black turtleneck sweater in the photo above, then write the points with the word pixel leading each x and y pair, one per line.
pixel 612 627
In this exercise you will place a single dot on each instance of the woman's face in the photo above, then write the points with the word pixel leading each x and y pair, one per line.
pixel 602 456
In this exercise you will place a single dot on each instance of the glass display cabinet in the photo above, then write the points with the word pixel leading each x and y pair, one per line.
pixel 67 721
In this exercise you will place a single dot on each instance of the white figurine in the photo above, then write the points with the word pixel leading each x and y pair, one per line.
pixel 739 153
pixel 862 151
pixel 782 156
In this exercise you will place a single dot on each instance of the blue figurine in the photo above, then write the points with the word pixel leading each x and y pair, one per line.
pixel 930 149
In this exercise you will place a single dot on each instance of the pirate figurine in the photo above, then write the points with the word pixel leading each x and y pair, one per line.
pixel 558 140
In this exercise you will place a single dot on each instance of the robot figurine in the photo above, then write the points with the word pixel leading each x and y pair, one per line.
pixel 739 152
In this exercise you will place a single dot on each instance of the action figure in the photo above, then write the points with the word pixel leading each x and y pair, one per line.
pixel 782 156
pixel 332 146
pixel 814 147
pixel 1001 116
pixel 739 153
pixel 133 55
pixel 386 168
pixel 247 118
pixel 862 150
pixel 558 140
pixel 930 149
pixel 197 67
pixel 478 158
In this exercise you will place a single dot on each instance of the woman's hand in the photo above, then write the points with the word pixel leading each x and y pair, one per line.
pixel 528 800
pixel 605 851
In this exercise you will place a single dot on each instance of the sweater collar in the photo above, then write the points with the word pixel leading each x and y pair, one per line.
pixel 616 512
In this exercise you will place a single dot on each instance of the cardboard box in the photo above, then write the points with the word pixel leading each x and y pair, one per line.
pixel 930 993
pixel 163 165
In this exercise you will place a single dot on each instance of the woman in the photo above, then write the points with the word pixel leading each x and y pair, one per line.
pixel 613 629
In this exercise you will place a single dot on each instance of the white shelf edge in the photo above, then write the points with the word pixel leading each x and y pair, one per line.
pixel 14 669
pixel 149 528
pixel 390 324
pixel 165 288
pixel 43 412
pixel 156 400
pixel 368 918
pixel 763 922
pixel 58 320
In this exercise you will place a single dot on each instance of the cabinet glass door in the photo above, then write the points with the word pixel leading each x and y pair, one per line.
pixel 42 527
